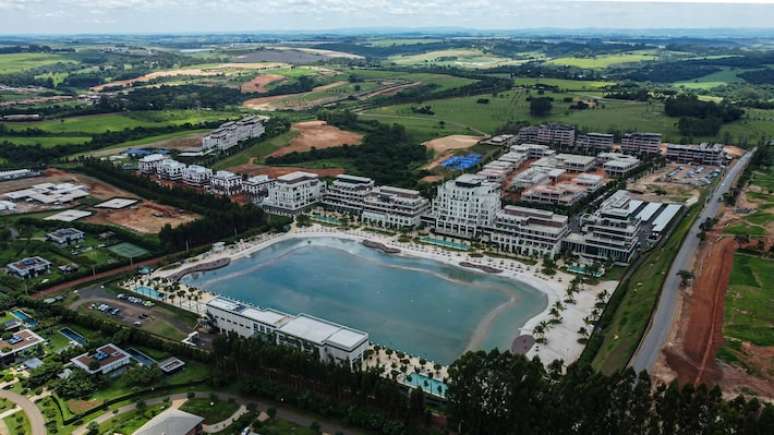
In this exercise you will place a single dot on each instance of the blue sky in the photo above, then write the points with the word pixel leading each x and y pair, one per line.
pixel 137 16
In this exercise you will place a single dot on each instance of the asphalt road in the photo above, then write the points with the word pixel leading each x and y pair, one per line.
pixel 37 422
pixel 661 322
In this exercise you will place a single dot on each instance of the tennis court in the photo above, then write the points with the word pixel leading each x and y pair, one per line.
pixel 128 250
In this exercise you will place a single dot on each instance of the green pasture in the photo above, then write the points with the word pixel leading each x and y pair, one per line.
pixel 45 141
pixel 18 62
pixel 257 152
pixel 603 61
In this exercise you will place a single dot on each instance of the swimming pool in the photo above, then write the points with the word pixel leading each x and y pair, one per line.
pixel 427 384
pixel 325 219
pixel 444 243
pixel 24 317
pixel 141 358
pixel 73 336
pixel 147 291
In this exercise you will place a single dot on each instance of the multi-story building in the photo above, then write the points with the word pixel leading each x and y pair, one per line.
pixel 393 207
pixel 196 175
pixel 66 236
pixel 501 140
pixel 258 186
pixel 611 233
pixel 641 143
pixel 464 206
pixel 570 162
pixel 332 342
pixel 528 134
pixel 293 194
pixel 346 194
pixel 516 159
pixel 556 134
pixel 595 142
pixel 230 134
pixel 533 151
pixel 171 169
pixel 226 183
pixel 618 165
pixel 705 154
pixel 150 164
pixel 528 231
pixel 590 182
pixel 535 176
pixel 564 194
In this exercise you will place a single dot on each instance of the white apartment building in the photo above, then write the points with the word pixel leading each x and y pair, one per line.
pixel 294 193
pixel 533 151
pixel 570 162
pixel 641 143
pixel 705 154
pixel 171 169
pixel 333 342
pixel 150 164
pixel 393 207
pixel 590 182
pixel 516 159
pixel 230 134
pixel 611 233
pixel 226 183
pixel 346 194
pixel 464 206
pixel 197 175
pixel 257 186
pixel 528 231
pixel 556 134
pixel 564 194
pixel 618 165
pixel 595 141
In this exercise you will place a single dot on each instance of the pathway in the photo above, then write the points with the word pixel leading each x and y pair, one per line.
pixel 661 321
pixel 217 427
pixel 37 422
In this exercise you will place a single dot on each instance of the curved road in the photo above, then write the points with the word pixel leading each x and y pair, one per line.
pixel 37 422
pixel 661 322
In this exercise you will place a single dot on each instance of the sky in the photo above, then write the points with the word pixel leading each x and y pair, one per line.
pixel 174 16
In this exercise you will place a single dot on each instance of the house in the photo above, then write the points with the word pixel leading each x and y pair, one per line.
pixel 66 236
pixel 172 421
pixel 104 360
pixel 618 165
pixel 171 169
pixel 20 343
pixel 29 267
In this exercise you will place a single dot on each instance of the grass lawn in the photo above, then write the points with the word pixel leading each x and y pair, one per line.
pixel 442 81
pixel 45 141
pixel 347 164
pixel 563 84
pixel 16 62
pixel 131 421
pixel 157 140
pixel 720 78
pixel 258 151
pixel 213 411
pixel 93 124
pixel 743 229
pixel 603 61
pixel 640 295
pixel 18 424
pixel 282 427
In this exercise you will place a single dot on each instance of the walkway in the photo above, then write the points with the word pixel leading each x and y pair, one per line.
pixel 661 322
pixel 37 422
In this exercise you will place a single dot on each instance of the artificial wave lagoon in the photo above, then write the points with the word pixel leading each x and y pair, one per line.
pixel 416 305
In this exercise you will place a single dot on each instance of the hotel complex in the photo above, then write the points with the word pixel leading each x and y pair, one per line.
pixel 230 134
pixel 704 154
pixel 332 342
pixel 528 231
pixel 466 205
pixel 293 194
pixel 641 143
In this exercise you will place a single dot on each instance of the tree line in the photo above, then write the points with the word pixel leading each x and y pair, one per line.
pixel 700 118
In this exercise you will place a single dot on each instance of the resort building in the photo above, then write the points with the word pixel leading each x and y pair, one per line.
pixel 230 134
pixel 528 231
pixel 501 140
pixel 171 169
pixel 258 186
pixel 618 165
pixel 104 360
pixel 7 206
pixel 331 341
pixel 611 233
pixel 196 175
pixel 293 194
pixel 563 194
pixel 346 194
pixel 556 134
pixel 595 142
pixel 533 151
pixel 516 159
pixel 66 236
pixel 590 182
pixel 150 163
pixel 641 143
pixel 535 176
pixel 50 193
pixel 462 207
pixel 173 421
pixel 528 135
pixel 704 154
pixel 20 343
pixel 29 267
pixel 570 162
pixel 393 207
pixel 226 183
pixel 15 174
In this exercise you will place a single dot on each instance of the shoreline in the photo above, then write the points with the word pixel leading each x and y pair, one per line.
pixel 562 338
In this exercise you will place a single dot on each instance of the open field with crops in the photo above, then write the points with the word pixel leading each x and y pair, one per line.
pixel 603 61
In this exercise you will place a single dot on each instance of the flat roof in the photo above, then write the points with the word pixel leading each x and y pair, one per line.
pixel 297 176
pixel 666 216
pixel 267 316
pixel 68 215
pixel 646 213
pixel 19 341
pixel 109 353
pixel 116 203
pixel 321 332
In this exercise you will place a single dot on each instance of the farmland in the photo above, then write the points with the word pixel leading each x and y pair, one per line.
pixel 18 62
pixel 603 61
pixel 463 58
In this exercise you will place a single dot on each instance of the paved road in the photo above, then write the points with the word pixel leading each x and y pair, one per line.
pixel 661 322
pixel 37 422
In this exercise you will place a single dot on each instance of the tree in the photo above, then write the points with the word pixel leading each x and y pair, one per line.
pixel 540 107
pixel 685 277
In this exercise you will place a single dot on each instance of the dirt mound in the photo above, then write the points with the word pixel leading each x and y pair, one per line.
pixel 443 147
pixel 147 217
pixel 319 135
pixel 259 83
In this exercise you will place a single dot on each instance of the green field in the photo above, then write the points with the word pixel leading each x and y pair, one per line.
pixel 564 84
pixel 17 62
pixel 94 124
pixel 213 411
pixel 152 141
pixel 710 81
pixel 640 294
pixel 256 152
pixel 749 307
pixel 17 423
pixel 45 141
pixel 603 61
pixel 131 421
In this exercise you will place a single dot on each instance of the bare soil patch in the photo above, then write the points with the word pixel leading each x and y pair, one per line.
pixel 222 69
pixel 147 217
pixel 97 188
pixel 444 147
pixel 260 83
pixel 293 101
pixel 319 135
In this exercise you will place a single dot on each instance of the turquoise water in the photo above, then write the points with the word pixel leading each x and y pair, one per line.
pixel 147 291
pixel 427 384
pixel 414 305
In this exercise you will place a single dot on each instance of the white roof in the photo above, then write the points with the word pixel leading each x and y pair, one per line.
pixel 649 211
pixel 154 158
pixel 322 332
pixel 666 216
pixel 116 203
pixel 68 215
pixel 293 176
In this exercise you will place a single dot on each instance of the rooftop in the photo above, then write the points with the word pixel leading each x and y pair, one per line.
pixel 322 332
pixel 297 177
pixel 170 422
pixel 19 341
